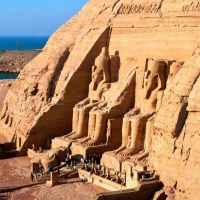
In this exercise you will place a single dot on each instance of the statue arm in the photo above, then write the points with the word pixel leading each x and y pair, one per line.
pixel 100 105
pixel 115 107
pixel 117 104
pixel 83 102
pixel 132 112
pixel 105 87
pixel 159 100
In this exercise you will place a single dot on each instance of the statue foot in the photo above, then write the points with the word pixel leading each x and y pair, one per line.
pixel 142 156
pixel 118 150
pixel 68 135
pixel 91 143
pixel 75 136
pixel 83 140
pixel 127 152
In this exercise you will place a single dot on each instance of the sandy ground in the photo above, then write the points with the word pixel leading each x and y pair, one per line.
pixel 19 168
pixel 14 169
pixel 74 189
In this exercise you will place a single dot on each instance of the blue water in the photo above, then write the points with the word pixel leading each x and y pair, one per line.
pixel 22 42
pixel 8 75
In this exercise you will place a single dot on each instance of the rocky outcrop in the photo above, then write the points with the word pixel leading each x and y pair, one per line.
pixel 5 85
pixel 176 157
pixel 14 61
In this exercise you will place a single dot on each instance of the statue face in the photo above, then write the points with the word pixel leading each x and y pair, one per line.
pixel 174 68
pixel 153 77
pixel 97 76
pixel 150 84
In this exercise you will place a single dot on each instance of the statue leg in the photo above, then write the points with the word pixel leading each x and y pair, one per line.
pixel 100 129
pixel 82 127
pixel 91 127
pixel 92 122
pixel 137 130
pixel 148 139
pixel 126 131
pixel 74 121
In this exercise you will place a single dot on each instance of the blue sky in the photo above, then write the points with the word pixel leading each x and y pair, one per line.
pixel 36 17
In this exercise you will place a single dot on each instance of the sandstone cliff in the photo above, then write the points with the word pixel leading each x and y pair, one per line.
pixel 40 102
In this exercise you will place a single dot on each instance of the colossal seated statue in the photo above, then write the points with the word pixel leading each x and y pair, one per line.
pixel 117 101
pixel 137 123
pixel 99 84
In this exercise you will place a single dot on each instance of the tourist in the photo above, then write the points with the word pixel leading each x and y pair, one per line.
pixel 99 158
pixel 82 161
pixel 86 161
pixel 66 177
pixel 93 155
pixel 41 172
pixel 90 158
pixel 74 166
pixel 35 176
pixel 50 169
pixel 41 175
pixel 152 173
pixel 96 159
pixel 32 177
pixel 67 160
pixel 83 179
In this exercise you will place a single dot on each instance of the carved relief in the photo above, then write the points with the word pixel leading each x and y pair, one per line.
pixel 173 70
pixel 137 9
pixel 183 32
pixel 193 6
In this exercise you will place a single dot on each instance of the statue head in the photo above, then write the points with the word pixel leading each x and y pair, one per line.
pixel 154 78
pixel 100 70
pixel 174 68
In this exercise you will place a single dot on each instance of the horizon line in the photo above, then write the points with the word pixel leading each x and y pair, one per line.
pixel 25 35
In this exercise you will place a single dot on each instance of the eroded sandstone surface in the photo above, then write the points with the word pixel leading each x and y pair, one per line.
pixel 39 105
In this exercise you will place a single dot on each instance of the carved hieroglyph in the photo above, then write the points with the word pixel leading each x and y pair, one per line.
pixel 152 7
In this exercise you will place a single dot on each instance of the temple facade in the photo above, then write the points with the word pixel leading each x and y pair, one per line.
pixel 120 80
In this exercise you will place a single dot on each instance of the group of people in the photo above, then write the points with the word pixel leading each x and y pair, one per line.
pixel 50 169
pixel 93 158
pixel 67 160
pixel 35 175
